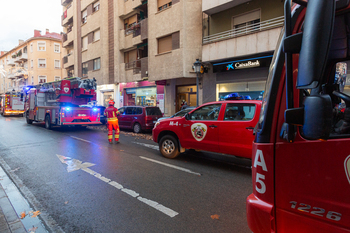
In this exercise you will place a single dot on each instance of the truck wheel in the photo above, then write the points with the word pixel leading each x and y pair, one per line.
pixel 137 128
pixel 47 122
pixel 169 147
pixel 29 121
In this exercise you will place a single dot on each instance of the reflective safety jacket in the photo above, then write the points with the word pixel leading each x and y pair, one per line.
pixel 111 113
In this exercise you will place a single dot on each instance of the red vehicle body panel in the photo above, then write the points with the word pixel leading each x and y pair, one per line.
pixel 307 182
pixel 232 137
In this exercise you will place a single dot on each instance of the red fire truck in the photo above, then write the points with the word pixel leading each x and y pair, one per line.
pixel 57 103
pixel 12 104
pixel 301 153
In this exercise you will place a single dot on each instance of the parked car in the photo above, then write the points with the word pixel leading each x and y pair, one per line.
pixel 101 109
pixel 224 127
pixel 138 118
pixel 179 113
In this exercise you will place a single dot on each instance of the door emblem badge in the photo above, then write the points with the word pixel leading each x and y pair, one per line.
pixel 66 89
pixel 199 131
pixel 347 167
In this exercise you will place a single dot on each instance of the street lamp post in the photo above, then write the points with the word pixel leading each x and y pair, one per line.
pixel 197 68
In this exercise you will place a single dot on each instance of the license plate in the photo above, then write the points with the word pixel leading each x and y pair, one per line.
pixel 81 114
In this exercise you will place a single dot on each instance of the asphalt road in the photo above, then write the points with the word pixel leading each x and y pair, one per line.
pixel 80 183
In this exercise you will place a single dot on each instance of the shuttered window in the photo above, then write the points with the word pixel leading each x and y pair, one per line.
pixel 164 44
pixel 163 4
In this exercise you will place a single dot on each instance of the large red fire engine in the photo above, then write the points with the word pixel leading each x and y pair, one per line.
pixel 12 104
pixel 57 103
pixel 301 155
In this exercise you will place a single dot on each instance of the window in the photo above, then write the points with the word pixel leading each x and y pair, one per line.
pixel 164 44
pixel 41 46
pixel 57 48
pixel 96 35
pixel 31 47
pixel 85 69
pixel 84 43
pixel 31 63
pixel 57 78
pixel 42 79
pixel 163 4
pixel 246 23
pixel 32 80
pixel 84 16
pixel 57 64
pixel 97 64
pixel 95 6
pixel 239 112
pixel 206 113
pixel 42 63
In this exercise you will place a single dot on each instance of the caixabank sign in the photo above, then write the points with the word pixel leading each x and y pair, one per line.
pixel 225 66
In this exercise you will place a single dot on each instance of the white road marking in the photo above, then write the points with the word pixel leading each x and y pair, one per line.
pixel 74 165
pixel 148 145
pixel 172 166
pixel 80 139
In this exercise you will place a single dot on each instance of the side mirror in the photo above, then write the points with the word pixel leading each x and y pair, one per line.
pixel 317 117
pixel 187 116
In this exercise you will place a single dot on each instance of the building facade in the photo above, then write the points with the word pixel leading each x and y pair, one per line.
pixel 239 38
pixel 141 52
pixel 36 60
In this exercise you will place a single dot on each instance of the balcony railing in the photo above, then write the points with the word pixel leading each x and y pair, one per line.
pixel 134 65
pixel 249 29
pixel 134 29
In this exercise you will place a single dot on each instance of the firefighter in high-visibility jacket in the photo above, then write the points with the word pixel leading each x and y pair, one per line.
pixel 112 122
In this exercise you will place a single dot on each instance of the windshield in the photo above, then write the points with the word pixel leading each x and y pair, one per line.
pixel 269 80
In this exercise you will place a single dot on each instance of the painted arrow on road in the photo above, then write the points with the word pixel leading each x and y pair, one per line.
pixel 75 165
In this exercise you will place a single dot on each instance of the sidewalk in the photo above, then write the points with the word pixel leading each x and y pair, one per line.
pixel 9 220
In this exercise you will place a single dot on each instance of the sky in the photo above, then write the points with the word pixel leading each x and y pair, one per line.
pixel 19 18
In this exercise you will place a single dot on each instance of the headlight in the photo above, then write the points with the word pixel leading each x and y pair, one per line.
pixel 155 125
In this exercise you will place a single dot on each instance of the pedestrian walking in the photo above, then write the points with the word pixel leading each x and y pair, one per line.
pixel 112 122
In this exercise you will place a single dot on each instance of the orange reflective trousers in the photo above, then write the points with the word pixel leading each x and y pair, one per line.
pixel 113 125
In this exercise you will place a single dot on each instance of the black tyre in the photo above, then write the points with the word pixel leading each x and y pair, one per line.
pixel 169 147
pixel 47 122
pixel 29 121
pixel 137 128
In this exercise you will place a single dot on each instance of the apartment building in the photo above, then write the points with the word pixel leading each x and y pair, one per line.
pixel 140 51
pixel 36 60
pixel 238 44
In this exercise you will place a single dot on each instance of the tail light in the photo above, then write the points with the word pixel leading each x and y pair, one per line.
pixel 148 118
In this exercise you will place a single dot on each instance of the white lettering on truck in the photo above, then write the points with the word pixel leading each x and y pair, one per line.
pixel 260 161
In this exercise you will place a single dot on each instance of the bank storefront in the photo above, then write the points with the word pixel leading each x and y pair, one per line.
pixel 244 75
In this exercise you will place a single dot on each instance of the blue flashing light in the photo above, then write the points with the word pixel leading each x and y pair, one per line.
pixel 233 96
pixel 68 109
pixel 247 97
pixel 94 109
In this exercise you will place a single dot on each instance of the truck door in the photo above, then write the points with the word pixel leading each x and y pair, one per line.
pixel 201 131
pixel 236 129
pixel 312 177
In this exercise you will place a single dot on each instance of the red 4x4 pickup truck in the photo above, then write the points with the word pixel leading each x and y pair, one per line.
pixel 223 127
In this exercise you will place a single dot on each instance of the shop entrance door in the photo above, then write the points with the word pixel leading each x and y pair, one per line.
pixel 186 94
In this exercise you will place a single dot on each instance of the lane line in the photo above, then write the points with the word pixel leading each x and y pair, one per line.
pixel 148 145
pixel 80 139
pixel 172 166
pixel 74 165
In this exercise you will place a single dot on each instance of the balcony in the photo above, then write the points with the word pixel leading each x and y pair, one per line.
pixel 211 7
pixel 11 75
pixel 254 38
pixel 134 65
pixel 242 31
pixel 67 15
pixel 21 58
pixel 126 7
pixel 68 38
pixel 130 37
pixel 11 62
pixel 68 60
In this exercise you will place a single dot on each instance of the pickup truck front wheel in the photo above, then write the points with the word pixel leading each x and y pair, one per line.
pixel 169 147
